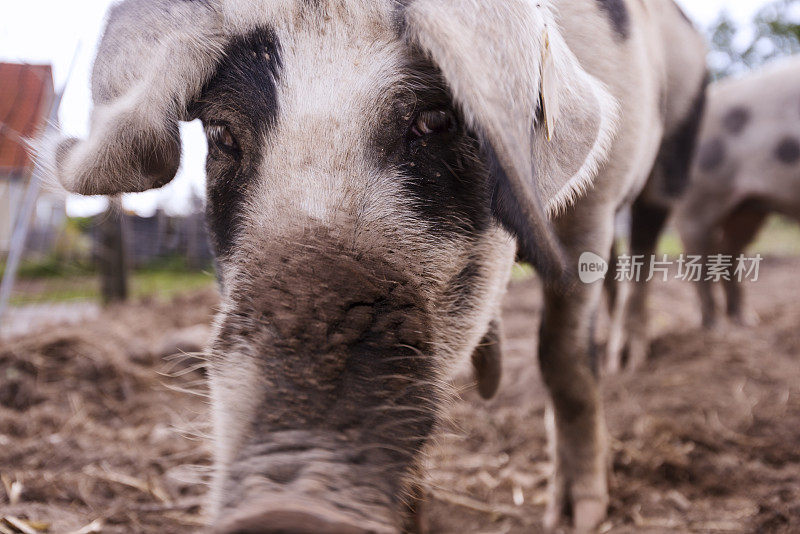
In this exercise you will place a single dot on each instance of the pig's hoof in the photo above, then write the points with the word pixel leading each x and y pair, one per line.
pixel 588 514
pixel 745 319
pixel 613 363
pixel 711 323
pixel 636 352
pixel 585 513
pixel 629 357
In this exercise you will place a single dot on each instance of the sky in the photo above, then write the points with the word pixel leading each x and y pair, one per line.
pixel 56 31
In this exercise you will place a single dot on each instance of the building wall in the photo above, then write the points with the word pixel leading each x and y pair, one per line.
pixel 46 222
pixel 11 193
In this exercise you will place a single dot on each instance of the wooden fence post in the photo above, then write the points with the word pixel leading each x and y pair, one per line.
pixel 112 255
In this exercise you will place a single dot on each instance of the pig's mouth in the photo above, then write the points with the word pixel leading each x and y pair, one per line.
pixel 323 487
pixel 280 515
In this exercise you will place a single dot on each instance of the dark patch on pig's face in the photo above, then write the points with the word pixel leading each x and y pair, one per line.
pixel 442 171
pixel 736 120
pixel 620 18
pixel 788 150
pixel 238 104
pixel 711 154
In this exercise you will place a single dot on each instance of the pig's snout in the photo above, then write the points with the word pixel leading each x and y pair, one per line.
pixel 325 389
pixel 278 515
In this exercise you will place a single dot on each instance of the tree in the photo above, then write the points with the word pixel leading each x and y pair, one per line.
pixel 774 32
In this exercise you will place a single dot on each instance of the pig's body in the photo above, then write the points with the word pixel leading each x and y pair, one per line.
pixel 369 163
pixel 747 166
pixel 659 92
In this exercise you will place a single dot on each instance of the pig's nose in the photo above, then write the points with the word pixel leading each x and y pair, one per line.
pixel 294 518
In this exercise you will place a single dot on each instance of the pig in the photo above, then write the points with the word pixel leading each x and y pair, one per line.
pixel 374 167
pixel 746 167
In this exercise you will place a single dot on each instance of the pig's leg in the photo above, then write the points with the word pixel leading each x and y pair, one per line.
pixel 610 285
pixel 617 294
pixel 737 232
pixel 698 223
pixel 576 426
pixel 647 222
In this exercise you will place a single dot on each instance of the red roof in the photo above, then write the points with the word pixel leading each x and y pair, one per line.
pixel 26 93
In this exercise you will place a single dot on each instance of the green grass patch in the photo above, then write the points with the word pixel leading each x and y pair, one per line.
pixel 52 289
pixel 142 284
pixel 522 271
pixel 670 244
pixel 54 267
pixel 169 283
pixel 778 237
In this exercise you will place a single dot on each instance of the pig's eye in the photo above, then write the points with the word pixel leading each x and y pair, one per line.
pixel 432 122
pixel 220 136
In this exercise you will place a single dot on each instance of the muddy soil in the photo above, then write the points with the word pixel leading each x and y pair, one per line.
pixel 98 429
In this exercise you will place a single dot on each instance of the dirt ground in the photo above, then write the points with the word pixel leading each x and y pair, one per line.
pixel 99 433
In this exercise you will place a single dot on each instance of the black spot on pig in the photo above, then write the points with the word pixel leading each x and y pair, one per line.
pixel 620 18
pixel 241 94
pixel 677 149
pixel 736 120
pixel 788 150
pixel 711 155
pixel 443 176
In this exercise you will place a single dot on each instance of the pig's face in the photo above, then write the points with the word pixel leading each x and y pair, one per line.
pixel 350 209
pixel 366 159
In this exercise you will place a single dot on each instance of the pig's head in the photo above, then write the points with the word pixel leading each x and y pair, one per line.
pixel 367 161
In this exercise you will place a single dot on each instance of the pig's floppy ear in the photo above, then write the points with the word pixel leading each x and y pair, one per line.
pixel 152 61
pixel 546 125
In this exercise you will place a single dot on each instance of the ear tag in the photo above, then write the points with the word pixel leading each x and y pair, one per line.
pixel 548 94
